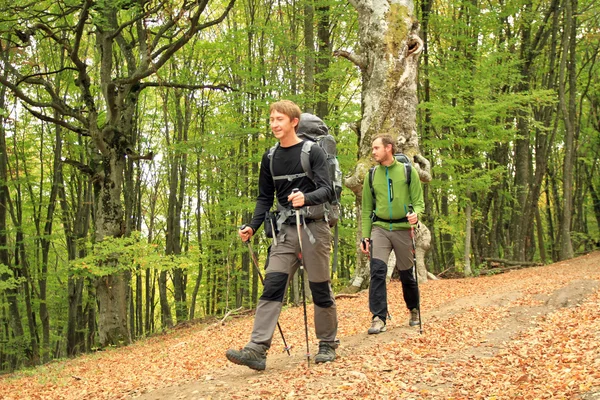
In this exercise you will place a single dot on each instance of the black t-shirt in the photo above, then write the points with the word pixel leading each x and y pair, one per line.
pixel 286 161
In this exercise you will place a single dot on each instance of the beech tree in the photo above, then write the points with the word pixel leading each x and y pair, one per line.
pixel 114 49
pixel 387 55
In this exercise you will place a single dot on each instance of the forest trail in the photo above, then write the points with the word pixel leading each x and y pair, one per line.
pixel 529 333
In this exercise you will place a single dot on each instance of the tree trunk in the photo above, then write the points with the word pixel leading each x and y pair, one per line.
pixel 389 48
pixel 527 184
pixel 324 49
pixel 76 221
pixel 21 262
pixel 10 274
pixel 467 254
pixel 45 243
pixel 447 240
pixel 198 179
pixel 166 317
pixel 540 235
pixel 309 56
pixel 176 183
pixel 112 289
pixel 568 110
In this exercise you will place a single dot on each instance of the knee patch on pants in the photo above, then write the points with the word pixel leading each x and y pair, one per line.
pixel 378 269
pixel 321 294
pixel 275 284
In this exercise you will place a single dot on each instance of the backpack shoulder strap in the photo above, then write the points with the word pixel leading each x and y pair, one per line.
pixel 305 149
pixel 271 155
pixel 408 172
pixel 305 158
pixel 371 175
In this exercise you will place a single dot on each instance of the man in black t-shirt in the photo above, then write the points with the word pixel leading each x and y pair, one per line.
pixel 283 258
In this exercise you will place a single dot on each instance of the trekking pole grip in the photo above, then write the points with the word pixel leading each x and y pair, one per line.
pixel 298 215
pixel 295 190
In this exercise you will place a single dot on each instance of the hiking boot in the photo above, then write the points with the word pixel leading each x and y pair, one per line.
pixel 414 317
pixel 377 326
pixel 249 357
pixel 326 353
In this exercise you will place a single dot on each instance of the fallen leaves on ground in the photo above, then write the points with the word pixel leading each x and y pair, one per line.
pixel 552 355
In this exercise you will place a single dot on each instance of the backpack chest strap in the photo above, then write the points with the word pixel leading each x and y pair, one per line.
pixel 289 177
pixel 304 161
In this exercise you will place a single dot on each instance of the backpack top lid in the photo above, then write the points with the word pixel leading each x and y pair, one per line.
pixel 313 128
pixel 402 158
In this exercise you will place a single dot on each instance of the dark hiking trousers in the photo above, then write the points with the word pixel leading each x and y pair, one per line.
pixel 283 263
pixel 382 244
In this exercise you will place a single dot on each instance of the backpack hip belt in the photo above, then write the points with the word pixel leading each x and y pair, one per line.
pixel 375 218
pixel 285 217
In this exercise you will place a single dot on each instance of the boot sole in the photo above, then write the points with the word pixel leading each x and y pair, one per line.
pixel 379 331
pixel 321 361
pixel 250 364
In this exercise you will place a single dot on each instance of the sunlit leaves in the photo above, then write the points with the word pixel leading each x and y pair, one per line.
pixel 127 253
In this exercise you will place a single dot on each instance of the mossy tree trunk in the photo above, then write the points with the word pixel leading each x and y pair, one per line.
pixel 387 55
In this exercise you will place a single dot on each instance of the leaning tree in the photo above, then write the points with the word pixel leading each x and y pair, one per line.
pixel 112 51
pixel 387 55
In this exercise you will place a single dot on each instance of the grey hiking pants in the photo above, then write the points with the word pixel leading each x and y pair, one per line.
pixel 283 263
pixel 383 242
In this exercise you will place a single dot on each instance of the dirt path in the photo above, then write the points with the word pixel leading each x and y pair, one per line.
pixel 525 333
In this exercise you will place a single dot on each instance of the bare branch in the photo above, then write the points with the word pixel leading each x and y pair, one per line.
pixel 172 48
pixel 57 103
pixel 135 156
pixel 86 169
pixel 45 28
pixel 423 167
pixel 79 31
pixel 19 93
pixel 175 85
pixel 56 121
pixel 135 19
pixel 360 62
pixel 44 74
pixel 84 80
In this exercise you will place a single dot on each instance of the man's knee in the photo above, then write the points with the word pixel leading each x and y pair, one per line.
pixel 378 269
pixel 275 284
pixel 321 293
pixel 406 276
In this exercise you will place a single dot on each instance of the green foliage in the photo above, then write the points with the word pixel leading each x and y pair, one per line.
pixel 8 280
pixel 113 255
pixel 480 87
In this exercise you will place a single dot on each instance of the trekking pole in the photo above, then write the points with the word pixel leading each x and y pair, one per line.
pixel 262 281
pixel 416 275
pixel 301 258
